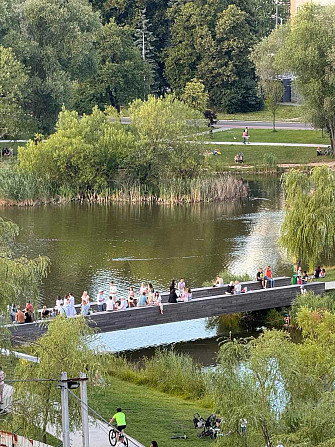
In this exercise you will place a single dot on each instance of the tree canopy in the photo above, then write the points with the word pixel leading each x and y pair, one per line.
pixel 308 52
pixel 308 230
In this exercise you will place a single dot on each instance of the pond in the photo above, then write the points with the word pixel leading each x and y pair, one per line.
pixel 90 245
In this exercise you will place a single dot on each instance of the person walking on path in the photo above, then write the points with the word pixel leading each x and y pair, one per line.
pixel 2 384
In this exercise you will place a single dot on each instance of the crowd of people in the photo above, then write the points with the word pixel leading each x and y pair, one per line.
pixel 20 316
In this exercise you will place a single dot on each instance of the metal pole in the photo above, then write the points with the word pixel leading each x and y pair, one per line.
pixel 276 13
pixel 84 409
pixel 65 410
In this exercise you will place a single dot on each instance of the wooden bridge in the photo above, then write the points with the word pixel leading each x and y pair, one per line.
pixel 206 302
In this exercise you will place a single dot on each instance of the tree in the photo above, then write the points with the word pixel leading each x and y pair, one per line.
pixel 160 126
pixel 13 91
pixel 83 155
pixel 20 276
pixel 195 95
pixel 122 75
pixel 283 389
pixel 216 51
pixel 267 71
pixel 309 53
pixel 54 40
pixel 65 347
pixel 308 230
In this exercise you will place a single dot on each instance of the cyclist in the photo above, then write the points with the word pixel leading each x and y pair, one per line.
pixel 121 424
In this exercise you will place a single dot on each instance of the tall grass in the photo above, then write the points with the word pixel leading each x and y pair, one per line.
pixel 24 189
pixel 167 371
pixel 27 189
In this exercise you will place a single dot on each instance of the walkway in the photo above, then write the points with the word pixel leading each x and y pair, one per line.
pixel 239 143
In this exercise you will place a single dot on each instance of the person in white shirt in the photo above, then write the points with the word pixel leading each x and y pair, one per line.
pixel 110 303
pixel 181 286
pixel 100 301
pixel 237 288
pixel 158 302
pixel 2 384
pixel 59 301
pixel 113 290
pixel 123 305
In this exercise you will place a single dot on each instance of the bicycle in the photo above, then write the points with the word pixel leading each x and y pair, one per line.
pixel 113 438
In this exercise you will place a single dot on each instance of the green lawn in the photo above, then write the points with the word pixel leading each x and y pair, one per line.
pixel 12 146
pixel 284 113
pixel 253 155
pixel 267 136
pixel 150 414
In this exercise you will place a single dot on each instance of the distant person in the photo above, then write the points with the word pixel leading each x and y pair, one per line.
pixel 12 312
pixel 2 384
pixel 317 272
pixel 153 444
pixel 142 301
pixel 143 288
pixel 189 294
pixel 123 305
pixel 218 281
pixel 131 297
pixel 268 277
pixel 173 295
pixel 151 292
pixel 245 136
pixel 45 312
pixel 101 301
pixel 113 290
pixel 158 302
pixel 121 423
pixel 28 316
pixel 319 151
pixel 62 311
pixel 260 277
pixel 237 288
pixel 110 303
pixel 85 299
pixel 30 307
pixel 230 288
pixel 19 317
pixel 59 301
pixel 72 309
pixel 323 273
pixel 181 286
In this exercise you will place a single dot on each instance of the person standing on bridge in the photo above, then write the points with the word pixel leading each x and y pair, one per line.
pixel 100 301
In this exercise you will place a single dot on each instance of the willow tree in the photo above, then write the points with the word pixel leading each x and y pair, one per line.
pixel 20 276
pixel 308 230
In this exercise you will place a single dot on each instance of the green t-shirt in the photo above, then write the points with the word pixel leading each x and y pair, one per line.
pixel 120 418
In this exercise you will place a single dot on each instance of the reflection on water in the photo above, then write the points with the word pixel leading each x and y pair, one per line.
pixel 90 245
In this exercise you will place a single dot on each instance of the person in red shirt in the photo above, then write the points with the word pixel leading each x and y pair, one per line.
pixel 268 277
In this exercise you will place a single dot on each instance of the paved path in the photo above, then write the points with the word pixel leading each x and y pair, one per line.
pixel 239 143
pixel 264 125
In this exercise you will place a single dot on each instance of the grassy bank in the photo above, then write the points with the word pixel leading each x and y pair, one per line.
pixel 150 414
pixel 267 136
pixel 284 113
pixel 254 155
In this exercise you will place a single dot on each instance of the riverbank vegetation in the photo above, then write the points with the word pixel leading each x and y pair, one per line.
pixel 96 158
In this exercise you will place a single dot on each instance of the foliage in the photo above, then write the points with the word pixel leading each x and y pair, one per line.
pixel 82 155
pixel 283 389
pixel 167 371
pixel 121 75
pixel 161 125
pixel 215 51
pixel 65 347
pixel 13 91
pixel 270 160
pixel 313 64
pixel 308 230
pixel 20 276
pixel 195 95
pixel 54 40
pixel 267 71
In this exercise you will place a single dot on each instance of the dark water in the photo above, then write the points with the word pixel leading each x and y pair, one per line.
pixel 90 245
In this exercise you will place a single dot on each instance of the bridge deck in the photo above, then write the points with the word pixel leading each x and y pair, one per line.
pixel 197 308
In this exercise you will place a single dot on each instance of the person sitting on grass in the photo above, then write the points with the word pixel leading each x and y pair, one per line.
pixel 319 151
pixel 323 273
